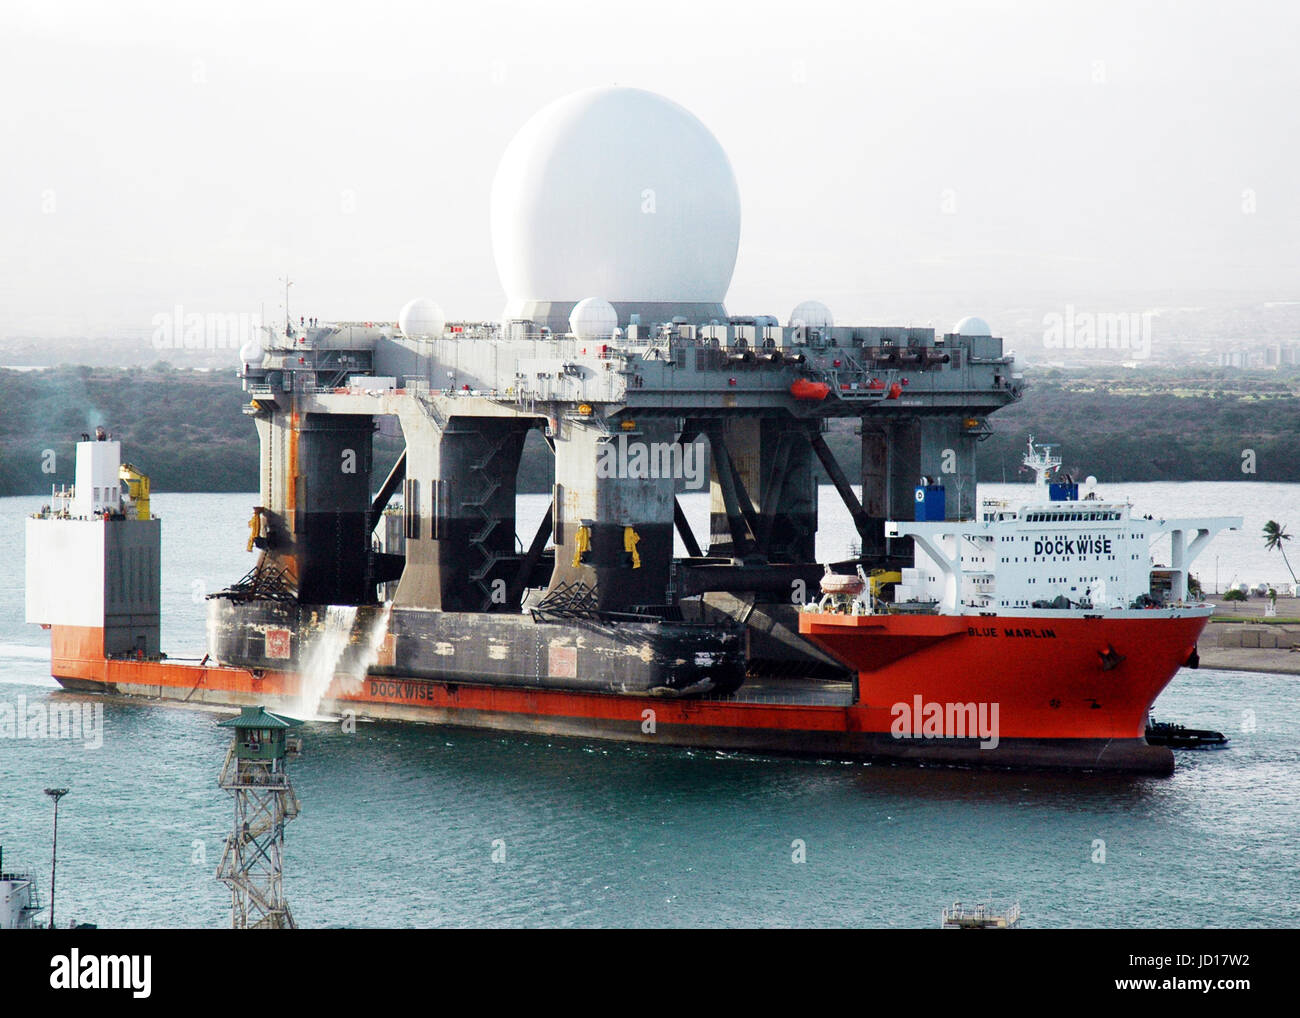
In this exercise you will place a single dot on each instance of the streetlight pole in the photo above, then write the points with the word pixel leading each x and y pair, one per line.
pixel 56 794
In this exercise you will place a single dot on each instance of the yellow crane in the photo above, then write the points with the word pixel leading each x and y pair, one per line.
pixel 137 486
pixel 878 580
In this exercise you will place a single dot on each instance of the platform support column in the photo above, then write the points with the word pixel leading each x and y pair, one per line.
pixel 771 488
pixel 614 508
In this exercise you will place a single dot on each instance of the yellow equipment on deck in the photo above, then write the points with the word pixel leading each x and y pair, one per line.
pixel 879 578
pixel 137 486
pixel 581 545
pixel 630 540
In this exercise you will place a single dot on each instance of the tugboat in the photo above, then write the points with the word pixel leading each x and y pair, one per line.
pixel 979 917
pixel 1166 733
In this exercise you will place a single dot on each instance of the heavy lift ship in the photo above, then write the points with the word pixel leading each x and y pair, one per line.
pixel 581 639
pixel 595 628
pixel 608 635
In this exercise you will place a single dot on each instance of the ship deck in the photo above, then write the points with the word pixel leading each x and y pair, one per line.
pixel 796 691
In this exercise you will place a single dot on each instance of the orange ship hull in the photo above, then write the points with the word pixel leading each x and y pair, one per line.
pixel 934 658
pixel 1051 677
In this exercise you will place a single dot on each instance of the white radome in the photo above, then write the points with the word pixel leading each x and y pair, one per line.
pixel 421 319
pixel 972 326
pixel 593 320
pixel 616 191
pixel 811 314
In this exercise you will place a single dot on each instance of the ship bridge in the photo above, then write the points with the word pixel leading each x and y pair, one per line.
pixel 1084 555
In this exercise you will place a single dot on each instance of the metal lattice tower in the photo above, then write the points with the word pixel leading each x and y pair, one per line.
pixel 252 863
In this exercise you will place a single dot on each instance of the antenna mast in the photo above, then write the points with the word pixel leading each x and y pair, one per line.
pixel 288 318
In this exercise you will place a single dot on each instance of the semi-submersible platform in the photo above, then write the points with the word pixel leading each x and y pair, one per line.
pixel 620 414
pixel 597 601
pixel 625 361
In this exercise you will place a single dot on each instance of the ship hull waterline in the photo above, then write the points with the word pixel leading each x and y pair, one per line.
pixel 1071 694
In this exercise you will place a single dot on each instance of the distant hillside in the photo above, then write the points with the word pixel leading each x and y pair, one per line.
pixel 1163 427
pixel 1109 428
pixel 186 430
pixel 183 428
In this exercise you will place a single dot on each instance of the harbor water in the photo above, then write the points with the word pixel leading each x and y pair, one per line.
pixel 413 825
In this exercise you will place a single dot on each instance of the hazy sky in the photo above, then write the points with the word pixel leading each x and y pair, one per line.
pixel 161 153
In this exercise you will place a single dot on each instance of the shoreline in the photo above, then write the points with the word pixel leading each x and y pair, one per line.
pixel 1240 637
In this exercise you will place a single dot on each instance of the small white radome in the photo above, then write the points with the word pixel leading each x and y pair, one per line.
pixel 421 319
pixel 972 326
pixel 593 319
pixel 811 314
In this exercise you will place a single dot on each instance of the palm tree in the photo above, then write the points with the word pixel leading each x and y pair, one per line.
pixel 1274 537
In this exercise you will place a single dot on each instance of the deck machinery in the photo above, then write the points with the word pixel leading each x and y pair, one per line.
pixel 609 608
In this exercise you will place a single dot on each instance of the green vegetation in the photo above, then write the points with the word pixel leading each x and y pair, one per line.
pixel 183 428
pixel 1234 595
pixel 1275 538
pixel 186 430
pixel 1254 620
pixel 1168 428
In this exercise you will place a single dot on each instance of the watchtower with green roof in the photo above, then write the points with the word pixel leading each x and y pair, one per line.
pixel 256 775
pixel 260 735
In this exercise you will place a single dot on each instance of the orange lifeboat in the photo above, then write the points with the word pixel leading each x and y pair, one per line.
pixel 804 389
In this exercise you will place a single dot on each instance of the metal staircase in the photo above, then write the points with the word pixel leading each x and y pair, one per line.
pixel 485 482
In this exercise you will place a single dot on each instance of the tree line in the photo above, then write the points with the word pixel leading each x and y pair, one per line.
pixel 186 429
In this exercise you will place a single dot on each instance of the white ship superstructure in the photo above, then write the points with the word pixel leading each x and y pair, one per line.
pixel 1074 556
pixel 19 904
pixel 94 559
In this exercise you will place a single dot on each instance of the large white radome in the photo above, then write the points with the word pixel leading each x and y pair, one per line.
pixel 615 191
